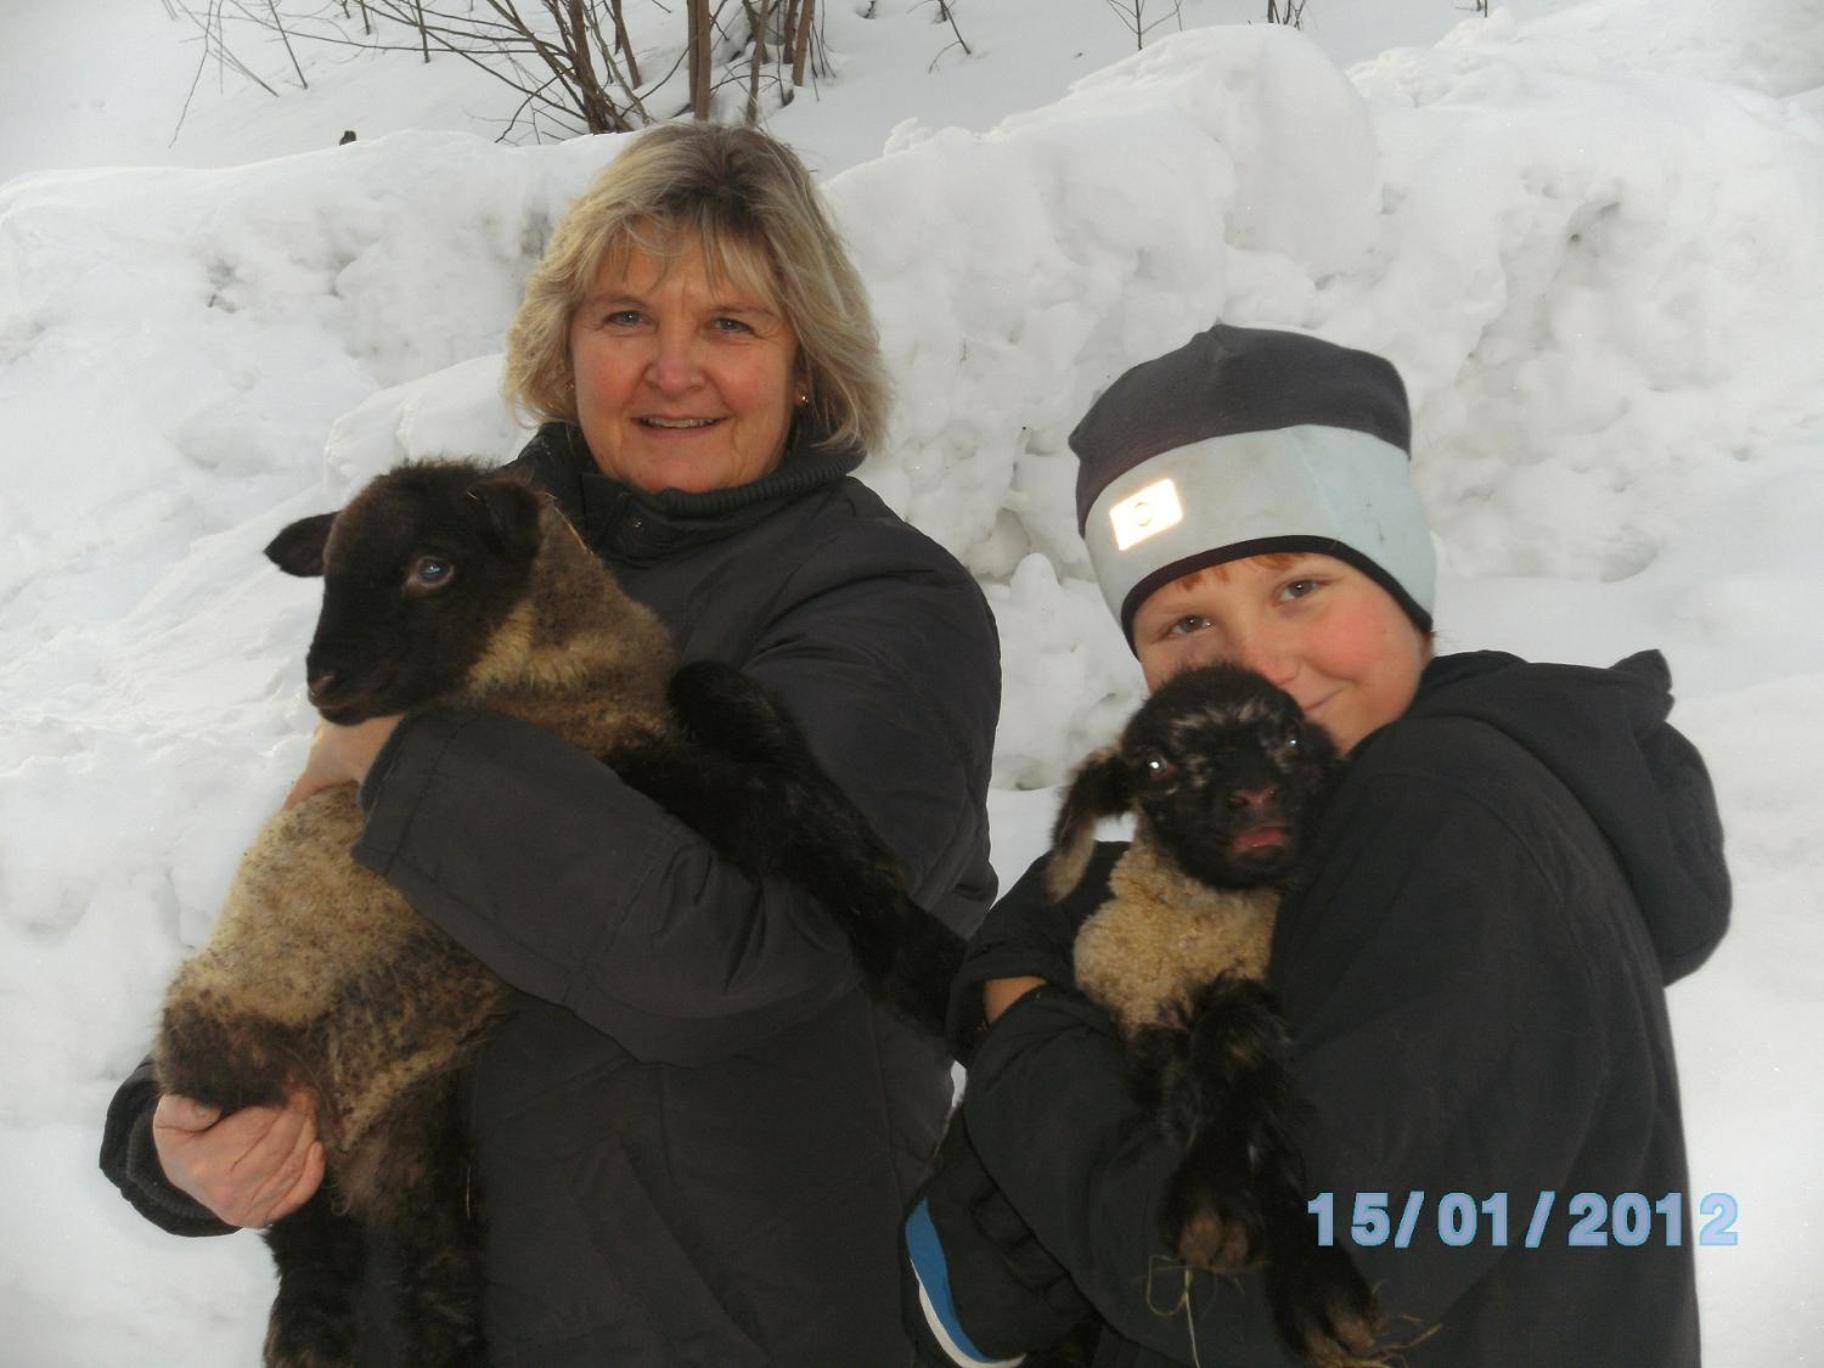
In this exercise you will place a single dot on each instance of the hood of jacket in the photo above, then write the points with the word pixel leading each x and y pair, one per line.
pixel 1604 734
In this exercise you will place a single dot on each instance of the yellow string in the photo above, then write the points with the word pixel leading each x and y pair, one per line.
pixel 1183 1303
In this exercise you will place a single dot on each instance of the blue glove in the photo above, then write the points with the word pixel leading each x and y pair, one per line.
pixel 981 1291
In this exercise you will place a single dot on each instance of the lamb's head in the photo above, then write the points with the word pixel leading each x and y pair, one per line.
pixel 1224 772
pixel 418 572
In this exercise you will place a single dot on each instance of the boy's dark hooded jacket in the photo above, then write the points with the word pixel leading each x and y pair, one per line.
pixel 695 1133
pixel 1474 973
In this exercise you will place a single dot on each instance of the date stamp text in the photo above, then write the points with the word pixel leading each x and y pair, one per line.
pixel 1585 1219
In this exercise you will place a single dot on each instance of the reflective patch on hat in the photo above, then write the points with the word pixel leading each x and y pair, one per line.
pixel 1145 514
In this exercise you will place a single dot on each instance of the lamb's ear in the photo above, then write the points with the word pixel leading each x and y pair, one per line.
pixel 1100 789
pixel 512 511
pixel 298 550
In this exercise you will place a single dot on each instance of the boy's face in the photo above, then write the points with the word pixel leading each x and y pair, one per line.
pixel 1316 626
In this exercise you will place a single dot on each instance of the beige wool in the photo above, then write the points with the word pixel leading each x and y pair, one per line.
pixel 318 973
pixel 1161 935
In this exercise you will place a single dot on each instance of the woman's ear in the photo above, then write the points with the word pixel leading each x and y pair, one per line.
pixel 298 550
pixel 1100 789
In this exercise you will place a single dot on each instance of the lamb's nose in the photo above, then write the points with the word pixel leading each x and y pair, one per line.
pixel 1252 798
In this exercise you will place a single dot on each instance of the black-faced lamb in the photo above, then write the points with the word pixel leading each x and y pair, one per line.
pixel 1225 778
pixel 445 582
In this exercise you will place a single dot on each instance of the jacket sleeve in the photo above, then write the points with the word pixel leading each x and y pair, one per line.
pixel 579 890
pixel 1448 1038
pixel 130 1161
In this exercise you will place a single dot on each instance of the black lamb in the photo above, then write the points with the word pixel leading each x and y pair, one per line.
pixel 1226 779
pixel 445 582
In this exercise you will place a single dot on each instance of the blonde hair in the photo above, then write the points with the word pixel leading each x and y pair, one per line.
pixel 748 202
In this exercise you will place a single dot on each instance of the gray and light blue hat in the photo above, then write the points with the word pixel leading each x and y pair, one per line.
pixel 1246 441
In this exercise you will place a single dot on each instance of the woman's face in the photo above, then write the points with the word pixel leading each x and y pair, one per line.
pixel 1316 626
pixel 682 381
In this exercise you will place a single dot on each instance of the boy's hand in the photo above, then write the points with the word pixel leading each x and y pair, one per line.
pixel 1000 994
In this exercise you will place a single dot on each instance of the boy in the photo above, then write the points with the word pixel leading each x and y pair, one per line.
pixel 1517 861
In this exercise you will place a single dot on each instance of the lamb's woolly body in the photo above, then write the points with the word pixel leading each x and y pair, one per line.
pixel 1161 935
pixel 1225 777
pixel 320 975
pixel 308 937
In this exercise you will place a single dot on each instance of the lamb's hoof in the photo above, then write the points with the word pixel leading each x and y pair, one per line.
pixel 1211 1225
pixel 1207 1241
pixel 1323 1304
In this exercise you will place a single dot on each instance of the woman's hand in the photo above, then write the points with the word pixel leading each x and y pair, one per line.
pixel 1000 994
pixel 341 755
pixel 251 1167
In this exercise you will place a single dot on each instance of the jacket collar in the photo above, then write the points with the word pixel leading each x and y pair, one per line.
pixel 625 525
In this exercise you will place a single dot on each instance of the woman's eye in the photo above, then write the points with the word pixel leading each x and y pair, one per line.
pixel 431 572
pixel 622 318
pixel 731 325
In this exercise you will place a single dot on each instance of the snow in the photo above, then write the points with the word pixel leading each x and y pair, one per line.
pixel 1587 233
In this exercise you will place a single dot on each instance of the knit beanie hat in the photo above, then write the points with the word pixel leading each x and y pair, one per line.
pixel 1246 441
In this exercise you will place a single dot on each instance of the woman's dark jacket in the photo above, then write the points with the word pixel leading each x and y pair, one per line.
pixel 1475 977
pixel 695 1134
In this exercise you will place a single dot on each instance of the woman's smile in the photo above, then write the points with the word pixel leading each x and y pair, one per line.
pixel 684 379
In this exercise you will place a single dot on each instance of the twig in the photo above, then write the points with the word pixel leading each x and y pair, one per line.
pixel 948 11
pixel 195 76
pixel 286 37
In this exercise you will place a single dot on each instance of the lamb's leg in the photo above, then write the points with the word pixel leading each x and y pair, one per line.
pixel 1237 1198
pixel 726 710
pixel 412 1175
pixel 745 779
pixel 320 1254
pixel 750 784
pixel 1321 1304
pixel 1225 1094
pixel 217 1053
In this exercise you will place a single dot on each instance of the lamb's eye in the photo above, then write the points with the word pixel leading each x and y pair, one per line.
pixel 430 572
pixel 1156 769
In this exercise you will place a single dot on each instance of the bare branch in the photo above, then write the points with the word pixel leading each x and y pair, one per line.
pixel 286 37
pixel 214 45
pixel 801 45
pixel 197 75
pixel 946 10
pixel 699 58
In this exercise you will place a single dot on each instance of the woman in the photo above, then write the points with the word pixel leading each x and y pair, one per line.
pixel 696 1132
pixel 1517 861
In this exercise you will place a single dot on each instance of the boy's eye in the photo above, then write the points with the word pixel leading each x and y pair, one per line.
pixel 1190 622
pixel 1299 588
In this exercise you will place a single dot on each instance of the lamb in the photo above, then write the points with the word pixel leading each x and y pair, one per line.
pixel 1226 778
pixel 446 582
